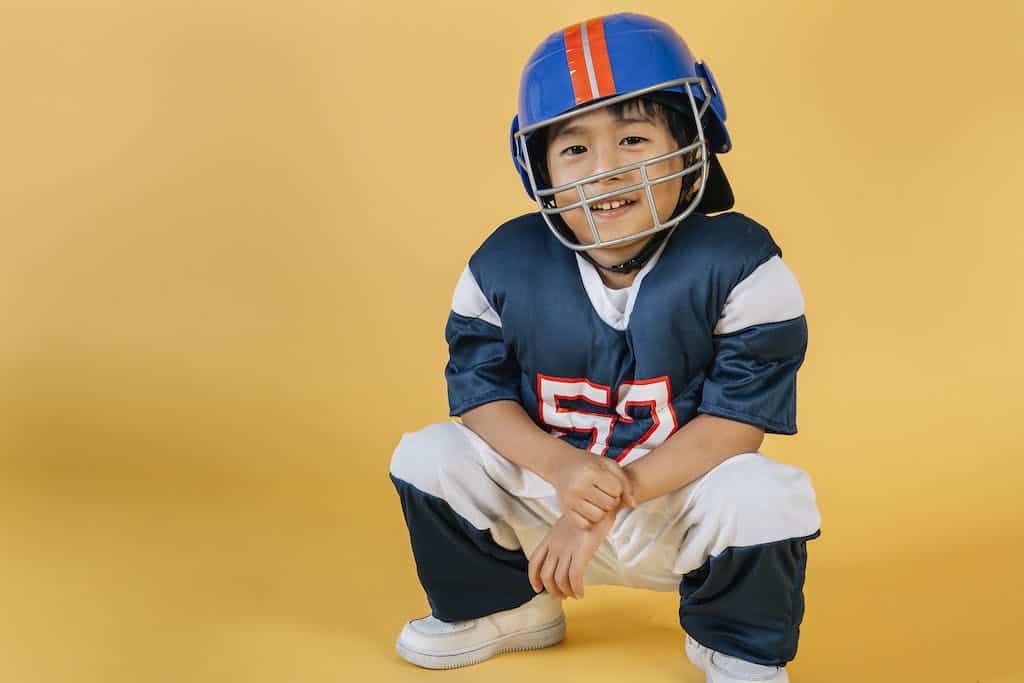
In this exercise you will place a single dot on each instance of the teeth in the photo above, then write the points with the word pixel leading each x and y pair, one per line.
pixel 614 204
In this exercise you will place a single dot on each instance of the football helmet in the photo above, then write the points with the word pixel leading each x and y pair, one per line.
pixel 603 61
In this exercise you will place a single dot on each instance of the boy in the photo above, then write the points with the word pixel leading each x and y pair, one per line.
pixel 616 359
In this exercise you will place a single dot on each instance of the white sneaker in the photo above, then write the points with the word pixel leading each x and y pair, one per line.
pixel 721 668
pixel 435 644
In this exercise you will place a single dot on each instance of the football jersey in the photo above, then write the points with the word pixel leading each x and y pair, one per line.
pixel 714 323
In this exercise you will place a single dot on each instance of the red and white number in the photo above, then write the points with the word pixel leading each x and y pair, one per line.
pixel 655 393
pixel 551 389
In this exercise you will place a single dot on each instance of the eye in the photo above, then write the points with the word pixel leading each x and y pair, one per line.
pixel 574 150
pixel 633 140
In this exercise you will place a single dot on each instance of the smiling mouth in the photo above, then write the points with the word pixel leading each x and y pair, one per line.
pixel 611 206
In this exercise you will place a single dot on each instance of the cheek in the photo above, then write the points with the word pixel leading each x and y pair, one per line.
pixel 556 171
pixel 574 218
pixel 666 194
pixel 577 222
pixel 668 198
pixel 556 177
pixel 566 198
pixel 667 168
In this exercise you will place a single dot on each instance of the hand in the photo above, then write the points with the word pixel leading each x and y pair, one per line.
pixel 560 561
pixel 590 487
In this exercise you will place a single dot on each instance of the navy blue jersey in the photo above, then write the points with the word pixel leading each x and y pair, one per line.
pixel 714 323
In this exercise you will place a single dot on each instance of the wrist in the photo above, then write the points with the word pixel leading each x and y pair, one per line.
pixel 639 490
pixel 601 528
pixel 556 457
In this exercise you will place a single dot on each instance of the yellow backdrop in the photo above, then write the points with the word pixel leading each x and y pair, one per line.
pixel 229 233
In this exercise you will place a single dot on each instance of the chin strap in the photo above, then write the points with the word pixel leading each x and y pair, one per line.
pixel 638 261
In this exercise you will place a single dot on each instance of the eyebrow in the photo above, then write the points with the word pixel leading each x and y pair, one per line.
pixel 577 129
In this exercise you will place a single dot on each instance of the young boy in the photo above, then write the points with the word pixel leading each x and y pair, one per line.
pixel 616 359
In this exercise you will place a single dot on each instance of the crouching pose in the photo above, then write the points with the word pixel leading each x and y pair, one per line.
pixel 616 358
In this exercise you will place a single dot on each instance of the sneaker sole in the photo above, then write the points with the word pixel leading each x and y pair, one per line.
pixel 536 639
pixel 693 653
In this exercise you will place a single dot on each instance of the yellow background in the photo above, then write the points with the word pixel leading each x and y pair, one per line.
pixel 229 233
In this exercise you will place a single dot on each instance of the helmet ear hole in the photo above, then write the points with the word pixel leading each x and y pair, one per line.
pixel 537 147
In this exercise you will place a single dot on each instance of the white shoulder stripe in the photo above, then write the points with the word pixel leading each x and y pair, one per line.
pixel 469 301
pixel 768 295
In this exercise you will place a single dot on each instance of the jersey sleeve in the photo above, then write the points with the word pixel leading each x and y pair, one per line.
pixel 759 342
pixel 481 365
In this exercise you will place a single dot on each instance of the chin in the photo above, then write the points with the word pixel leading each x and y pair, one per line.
pixel 619 253
pixel 621 234
pixel 608 233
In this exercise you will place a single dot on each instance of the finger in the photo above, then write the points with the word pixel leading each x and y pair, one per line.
pixel 623 480
pixel 609 484
pixel 601 499
pixel 541 548
pixel 589 511
pixel 629 493
pixel 562 576
pixel 579 521
pixel 547 575
pixel 576 570
pixel 628 489
pixel 536 562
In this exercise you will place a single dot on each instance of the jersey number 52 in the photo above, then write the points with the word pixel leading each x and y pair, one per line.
pixel 655 393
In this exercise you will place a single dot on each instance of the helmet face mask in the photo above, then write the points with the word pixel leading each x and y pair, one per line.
pixel 604 62
pixel 544 196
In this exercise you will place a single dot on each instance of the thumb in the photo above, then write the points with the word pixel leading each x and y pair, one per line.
pixel 628 488
pixel 628 494
pixel 631 496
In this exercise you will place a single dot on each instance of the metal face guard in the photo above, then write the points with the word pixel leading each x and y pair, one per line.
pixel 542 195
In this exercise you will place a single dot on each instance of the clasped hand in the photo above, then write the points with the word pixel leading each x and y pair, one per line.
pixel 589 487
pixel 560 561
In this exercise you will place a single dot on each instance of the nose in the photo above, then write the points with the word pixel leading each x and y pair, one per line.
pixel 607 157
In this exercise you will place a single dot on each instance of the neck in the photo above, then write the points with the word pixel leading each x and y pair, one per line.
pixel 635 254
pixel 616 280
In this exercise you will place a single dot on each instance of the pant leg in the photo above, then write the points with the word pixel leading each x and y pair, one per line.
pixel 742 557
pixel 468 560
pixel 733 543
pixel 473 518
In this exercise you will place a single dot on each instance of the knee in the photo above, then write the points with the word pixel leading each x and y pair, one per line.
pixel 422 457
pixel 763 499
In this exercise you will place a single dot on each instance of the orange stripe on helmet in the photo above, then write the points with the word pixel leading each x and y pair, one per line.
pixel 599 58
pixel 577 63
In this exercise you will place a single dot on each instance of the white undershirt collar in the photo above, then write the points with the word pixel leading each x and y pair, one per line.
pixel 615 306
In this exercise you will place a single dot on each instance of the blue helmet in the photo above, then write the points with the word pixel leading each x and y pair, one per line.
pixel 606 60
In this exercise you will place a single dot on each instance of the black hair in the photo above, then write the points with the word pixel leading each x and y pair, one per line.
pixel 670 108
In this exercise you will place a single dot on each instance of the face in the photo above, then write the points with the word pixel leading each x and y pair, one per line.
pixel 600 141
